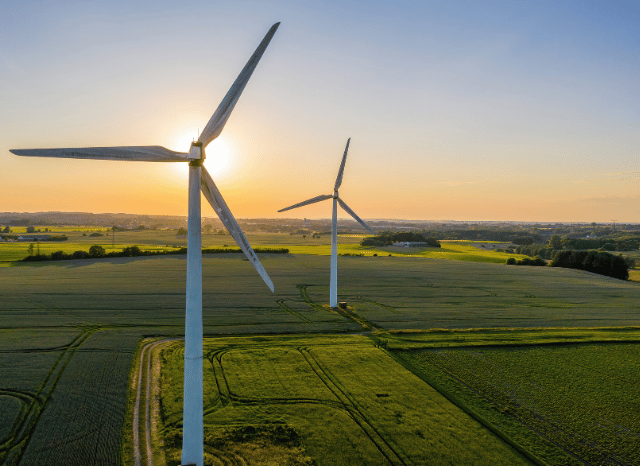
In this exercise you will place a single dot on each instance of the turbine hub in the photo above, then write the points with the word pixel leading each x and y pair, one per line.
pixel 335 194
pixel 196 152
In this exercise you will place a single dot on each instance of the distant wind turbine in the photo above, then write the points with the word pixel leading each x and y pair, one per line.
pixel 333 285
pixel 199 180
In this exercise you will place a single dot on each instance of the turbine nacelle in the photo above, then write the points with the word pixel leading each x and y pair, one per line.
pixel 335 195
pixel 196 153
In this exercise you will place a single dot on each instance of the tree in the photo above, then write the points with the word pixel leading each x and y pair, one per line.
pixel 131 251
pixel 182 232
pixel 555 242
pixel 96 251
pixel 6 230
pixel 30 249
pixel 31 229
pixel 208 228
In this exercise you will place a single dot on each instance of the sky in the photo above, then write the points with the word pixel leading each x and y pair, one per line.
pixel 525 111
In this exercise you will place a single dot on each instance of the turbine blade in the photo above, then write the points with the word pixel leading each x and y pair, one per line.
pixel 341 171
pixel 310 201
pixel 211 193
pixel 353 214
pixel 222 113
pixel 132 153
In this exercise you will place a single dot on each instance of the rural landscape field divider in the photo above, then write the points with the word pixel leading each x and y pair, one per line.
pixel 12 450
pixel 394 457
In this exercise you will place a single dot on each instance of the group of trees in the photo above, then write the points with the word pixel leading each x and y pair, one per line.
pixel 386 238
pixel 600 262
pixel 485 234
pixel 556 243
pixel 538 261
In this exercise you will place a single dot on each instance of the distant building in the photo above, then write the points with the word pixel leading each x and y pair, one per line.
pixel 34 237
pixel 410 244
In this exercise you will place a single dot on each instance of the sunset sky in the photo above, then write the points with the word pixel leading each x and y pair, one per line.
pixel 461 110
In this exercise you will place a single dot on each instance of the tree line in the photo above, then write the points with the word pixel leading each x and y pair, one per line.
pixel 98 252
pixel 599 262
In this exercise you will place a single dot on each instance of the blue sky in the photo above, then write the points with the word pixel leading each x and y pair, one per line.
pixel 497 110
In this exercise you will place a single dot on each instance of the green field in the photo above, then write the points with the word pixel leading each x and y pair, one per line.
pixel 582 398
pixel 345 399
pixel 167 240
pixel 69 332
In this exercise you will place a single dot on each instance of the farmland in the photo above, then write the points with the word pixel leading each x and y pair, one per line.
pixel 70 331
pixel 583 398
pixel 167 240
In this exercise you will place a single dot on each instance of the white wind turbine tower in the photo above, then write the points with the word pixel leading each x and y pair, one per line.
pixel 199 180
pixel 333 283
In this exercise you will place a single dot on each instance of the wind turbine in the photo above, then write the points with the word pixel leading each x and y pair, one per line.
pixel 199 180
pixel 333 283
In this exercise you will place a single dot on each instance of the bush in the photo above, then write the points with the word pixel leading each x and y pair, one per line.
pixel 95 235
pixel 96 251
pixel 538 261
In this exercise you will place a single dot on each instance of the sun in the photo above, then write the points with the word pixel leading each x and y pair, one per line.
pixel 218 155
pixel 218 152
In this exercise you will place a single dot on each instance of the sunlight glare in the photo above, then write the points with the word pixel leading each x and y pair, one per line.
pixel 218 155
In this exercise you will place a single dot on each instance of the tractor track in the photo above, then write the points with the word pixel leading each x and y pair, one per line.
pixel 351 407
pixel 145 353
pixel 18 439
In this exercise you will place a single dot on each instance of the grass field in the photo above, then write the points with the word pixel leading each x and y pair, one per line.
pixel 69 331
pixel 582 398
pixel 342 399
pixel 345 400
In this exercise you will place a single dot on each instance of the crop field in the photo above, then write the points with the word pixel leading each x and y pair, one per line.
pixel 62 395
pixel 582 398
pixel 69 332
pixel 338 400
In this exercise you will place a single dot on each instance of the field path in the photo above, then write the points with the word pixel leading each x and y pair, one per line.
pixel 145 355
